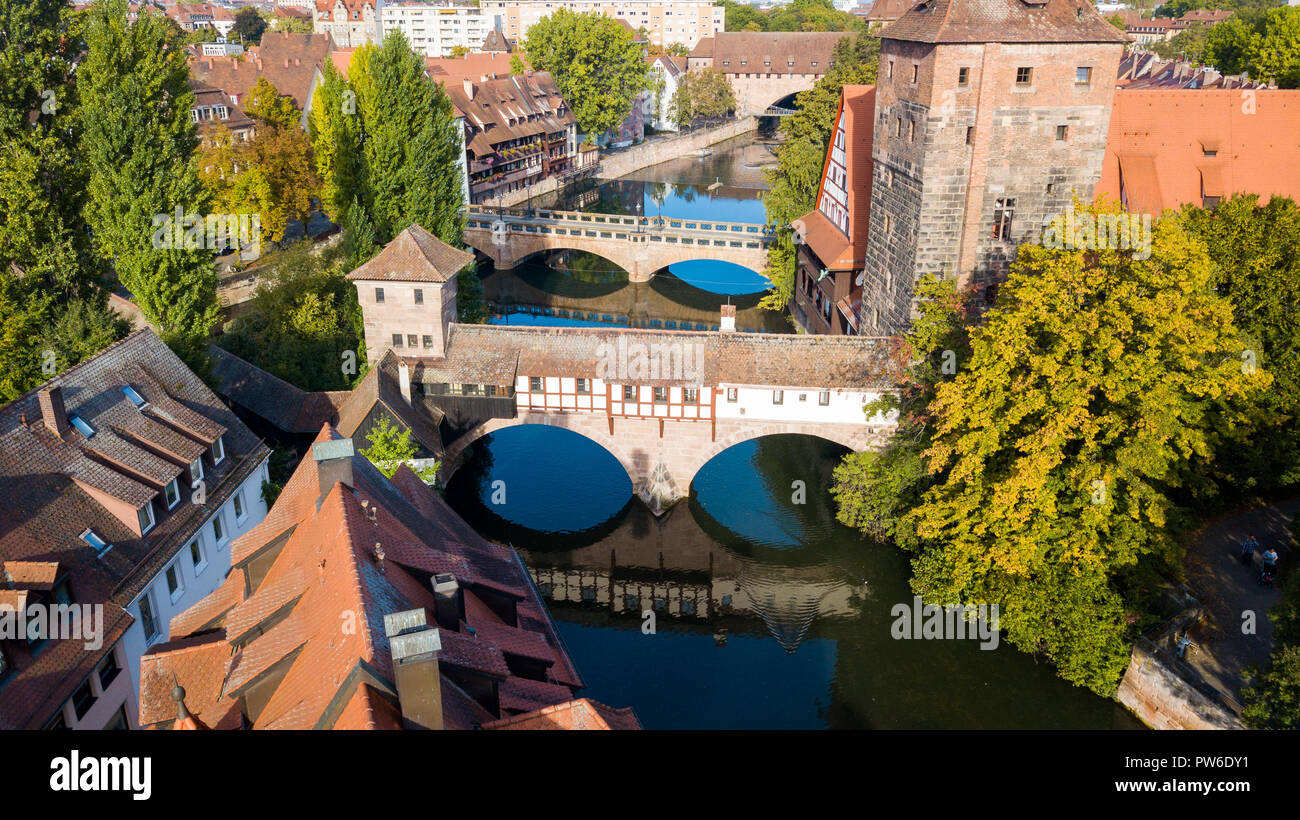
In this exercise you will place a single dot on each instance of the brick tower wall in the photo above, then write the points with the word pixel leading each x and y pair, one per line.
pixel 939 193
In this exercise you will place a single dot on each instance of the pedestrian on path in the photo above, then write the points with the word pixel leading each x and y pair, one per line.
pixel 1248 548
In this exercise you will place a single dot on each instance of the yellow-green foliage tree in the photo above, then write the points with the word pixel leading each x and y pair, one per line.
pixel 1095 396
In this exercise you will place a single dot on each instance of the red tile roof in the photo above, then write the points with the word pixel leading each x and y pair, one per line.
pixel 313 626
pixel 576 714
pixel 836 249
pixel 1158 153
pixel 414 255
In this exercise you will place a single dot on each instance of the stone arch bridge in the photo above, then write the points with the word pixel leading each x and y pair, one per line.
pixel 640 245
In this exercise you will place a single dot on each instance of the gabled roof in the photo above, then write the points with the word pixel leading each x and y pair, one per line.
pixel 580 714
pixel 382 386
pixel 836 249
pixel 324 676
pixel 288 61
pixel 288 407
pixel 53 488
pixel 414 255
pixel 784 52
pixel 889 10
pixel 1003 21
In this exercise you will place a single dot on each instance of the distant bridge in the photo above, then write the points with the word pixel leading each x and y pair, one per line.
pixel 640 245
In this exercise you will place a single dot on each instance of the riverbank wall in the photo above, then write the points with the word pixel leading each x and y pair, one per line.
pixel 1165 691
pixel 615 164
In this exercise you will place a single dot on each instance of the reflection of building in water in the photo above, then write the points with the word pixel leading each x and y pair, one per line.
pixel 671 567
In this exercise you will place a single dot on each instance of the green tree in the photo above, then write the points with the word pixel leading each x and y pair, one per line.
pixel 1273 702
pixel 390 446
pixel 1189 44
pixel 470 308
pixel 810 15
pixel 1265 45
pixel 42 180
pixel 79 329
pixel 703 94
pixel 335 128
pixel 249 26
pixel 1255 253
pixel 410 151
pixel 139 143
pixel 359 244
pixel 271 174
pixel 875 490
pixel 1096 389
pixel 517 66
pixel 740 16
pixel 596 64
pixel 303 317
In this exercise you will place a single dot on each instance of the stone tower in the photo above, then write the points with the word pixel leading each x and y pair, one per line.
pixel 407 294
pixel 991 115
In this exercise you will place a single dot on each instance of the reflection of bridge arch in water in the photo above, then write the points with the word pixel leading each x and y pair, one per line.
pixel 665 301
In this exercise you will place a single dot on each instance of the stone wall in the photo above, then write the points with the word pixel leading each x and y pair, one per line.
pixel 1165 692
pixel 662 456
pixel 956 133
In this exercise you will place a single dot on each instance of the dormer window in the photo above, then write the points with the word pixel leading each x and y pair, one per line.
pixel 145 514
pixel 172 493
pixel 100 545
pixel 135 397
pixel 82 425
pixel 218 451
pixel 196 470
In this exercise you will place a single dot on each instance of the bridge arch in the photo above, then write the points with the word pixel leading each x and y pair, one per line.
pixel 638 244
pixel 662 458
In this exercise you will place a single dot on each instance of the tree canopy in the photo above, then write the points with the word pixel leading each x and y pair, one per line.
pixel 596 64
pixel 1061 451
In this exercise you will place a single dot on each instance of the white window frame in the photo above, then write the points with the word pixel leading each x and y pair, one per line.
pixel 96 542
pixel 196 464
pixel 174 594
pixel 196 545
pixel 238 506
pixel 153 522
pixel 147 599
pixel 174 488
pixel 222 537
pixel 219 446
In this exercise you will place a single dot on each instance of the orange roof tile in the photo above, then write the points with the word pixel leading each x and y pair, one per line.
pixel 1170 147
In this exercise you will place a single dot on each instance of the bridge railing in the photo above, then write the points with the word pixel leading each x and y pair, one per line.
pixel 633 228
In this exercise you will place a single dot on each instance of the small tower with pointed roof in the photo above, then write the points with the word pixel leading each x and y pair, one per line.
pixel 991 116
pixel 407 294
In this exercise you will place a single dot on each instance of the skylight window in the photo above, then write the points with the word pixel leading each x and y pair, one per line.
pixel 135 397
pixel 81 425
pixel 101 546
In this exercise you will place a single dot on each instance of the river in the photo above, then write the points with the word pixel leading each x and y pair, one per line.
pixel 767 612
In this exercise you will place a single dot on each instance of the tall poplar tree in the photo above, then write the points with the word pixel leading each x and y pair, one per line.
pixel 138 143
pixel 411 152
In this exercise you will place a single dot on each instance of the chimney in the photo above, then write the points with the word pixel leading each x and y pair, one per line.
pixel 415 644
pixel 333 465
pixel 404 379
pixel 449 602
pixel 728 323
pixel 469 87
pixel 52 410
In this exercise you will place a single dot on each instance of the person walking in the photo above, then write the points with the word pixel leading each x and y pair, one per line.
pixel 1248 550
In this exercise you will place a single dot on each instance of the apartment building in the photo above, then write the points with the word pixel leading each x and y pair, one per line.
pixel 436 29
pixel 666 22
pixel 352 23
pixel 123 483
pixel 519 130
